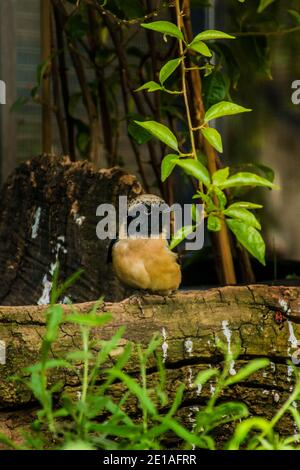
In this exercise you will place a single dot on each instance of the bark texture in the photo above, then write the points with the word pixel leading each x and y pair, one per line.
pixel 48 214
pixel 262 320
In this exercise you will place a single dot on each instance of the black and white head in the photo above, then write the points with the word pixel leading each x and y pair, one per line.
pixel 148 216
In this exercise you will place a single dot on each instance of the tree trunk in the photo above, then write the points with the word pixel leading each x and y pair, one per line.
pixel 262 320
pixel 48 215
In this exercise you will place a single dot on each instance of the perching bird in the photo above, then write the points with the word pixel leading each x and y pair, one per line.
pixel 143 260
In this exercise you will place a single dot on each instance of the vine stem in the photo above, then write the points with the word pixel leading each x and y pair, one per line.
pixel 184 87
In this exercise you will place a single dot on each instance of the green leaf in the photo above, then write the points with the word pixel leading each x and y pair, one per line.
pixel 88 319
pixel 150 87
pixel 195 168
pixel 205 376
pixel 164 27
pixel 167 165
pixel 221 197
pixel 18 104
pixel 167 70
pixel 79 356
pixel 140 135
pixel 161 132
pixel 50 364
pixel 180 235
pixel 243 430
pixel 78 445
pixel 196 214
pixel 135 389
pixel 244 215
pixel 131 10
pixel 201 48
pixel 249 369
pixel 249 237
pixel 216 88
pixel 210 206
pixel 268 172
pixel 245 205
pixel 214 223
pixel 54 318
pixel 246 179
pixel 213 137
pixel 224 413
pixel 296 15
pixel 224 108
pixel 263 5
pixel 220 176
pixel 211 34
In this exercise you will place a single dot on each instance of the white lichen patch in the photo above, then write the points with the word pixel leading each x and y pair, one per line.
pixel 284 305
pixel 164 345
pixel 212 389
pixel 47 283
pixel 273 367
pixel 289 373
pixel 190 378
pixel 45 297
pixel 276 396
pixel 188 346
pixel 79 219
pixel 66 300
pixel 36 223
pixel 292 338
pixel 227 334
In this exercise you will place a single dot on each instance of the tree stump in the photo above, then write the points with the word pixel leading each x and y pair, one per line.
pixel 263 321
pixel 48 214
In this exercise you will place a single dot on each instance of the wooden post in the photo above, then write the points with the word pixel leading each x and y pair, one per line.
pixel 222 240
pixel 46 79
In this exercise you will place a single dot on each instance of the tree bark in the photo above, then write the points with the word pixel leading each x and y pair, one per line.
pixel 48 215
pixel 264 321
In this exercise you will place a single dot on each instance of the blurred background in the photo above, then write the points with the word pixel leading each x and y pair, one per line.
pixel 71 68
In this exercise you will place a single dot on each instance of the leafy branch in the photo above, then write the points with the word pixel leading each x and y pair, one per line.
pixel 212 193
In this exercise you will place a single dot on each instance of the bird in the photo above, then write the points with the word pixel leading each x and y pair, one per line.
pixel 142 258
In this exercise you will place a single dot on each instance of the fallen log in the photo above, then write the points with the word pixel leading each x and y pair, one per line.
pixel 263 321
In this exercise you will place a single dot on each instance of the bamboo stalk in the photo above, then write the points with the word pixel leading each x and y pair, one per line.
pixel 46 79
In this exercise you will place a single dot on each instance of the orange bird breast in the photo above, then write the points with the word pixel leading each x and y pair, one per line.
pixel 146 264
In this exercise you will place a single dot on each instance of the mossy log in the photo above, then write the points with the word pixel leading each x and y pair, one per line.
pixel 263 321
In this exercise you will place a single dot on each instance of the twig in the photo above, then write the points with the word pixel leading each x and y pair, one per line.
pixel 120 21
